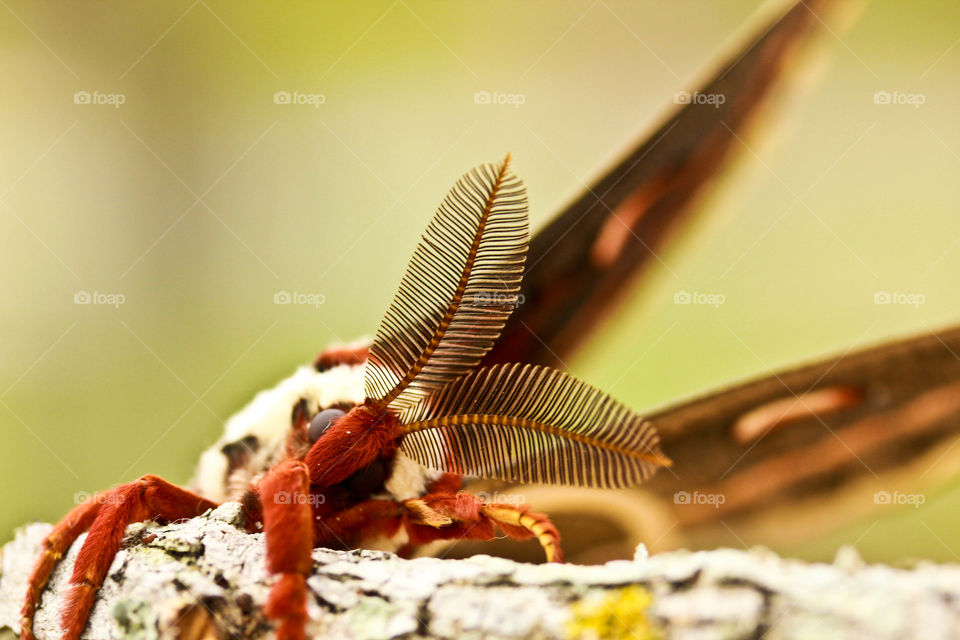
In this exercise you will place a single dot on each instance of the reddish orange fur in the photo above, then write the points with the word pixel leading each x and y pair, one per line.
pixel 287 605
pixel 121 507
pixel 287 519
pixel 333 356
pixel 293 524
pixel 106 515
pixel 304 518
pixel 471 523
pixel 421 534
pixel 446 483
pixel 460 507
pixel 369 519
pixel 352 443
pixel 352 527
pixel 57 542
pixel 463 509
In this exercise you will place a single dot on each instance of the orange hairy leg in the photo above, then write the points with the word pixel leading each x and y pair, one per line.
pixel 106 515
pixel 288 526
pixel 520 523
pixel 445 516
pixel 381 517
pixel 436 516
pixel 54 546
pixel 350 527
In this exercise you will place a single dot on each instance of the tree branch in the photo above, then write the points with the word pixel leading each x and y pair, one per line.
pixel 205 578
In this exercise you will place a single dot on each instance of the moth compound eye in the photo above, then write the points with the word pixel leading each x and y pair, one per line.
pixel 322 421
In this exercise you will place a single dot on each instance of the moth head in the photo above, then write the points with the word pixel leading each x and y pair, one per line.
pixel 257 436
pixel 309 422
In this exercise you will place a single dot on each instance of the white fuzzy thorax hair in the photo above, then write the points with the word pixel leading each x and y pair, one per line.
pixel 261 429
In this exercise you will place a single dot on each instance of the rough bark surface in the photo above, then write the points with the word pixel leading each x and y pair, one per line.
pixel 206 574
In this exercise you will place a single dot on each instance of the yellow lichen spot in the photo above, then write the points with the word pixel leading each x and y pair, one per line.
pixel 620 614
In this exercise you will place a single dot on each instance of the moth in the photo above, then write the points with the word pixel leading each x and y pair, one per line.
pixel 386 465
pixel 368 445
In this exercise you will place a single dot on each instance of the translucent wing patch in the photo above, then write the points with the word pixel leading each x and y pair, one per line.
pixel 526 423
pixel 458 291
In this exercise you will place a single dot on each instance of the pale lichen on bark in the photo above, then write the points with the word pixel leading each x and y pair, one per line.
pixel 208 573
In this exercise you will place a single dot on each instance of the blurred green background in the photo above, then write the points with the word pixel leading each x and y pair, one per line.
pixel 199 198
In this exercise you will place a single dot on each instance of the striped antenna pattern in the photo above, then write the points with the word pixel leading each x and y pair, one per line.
pixel 460 287
pixel 526 423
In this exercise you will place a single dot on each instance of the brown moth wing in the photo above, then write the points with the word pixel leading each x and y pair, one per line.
pixel 779 459
pixel 584 259
pixel 790 452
